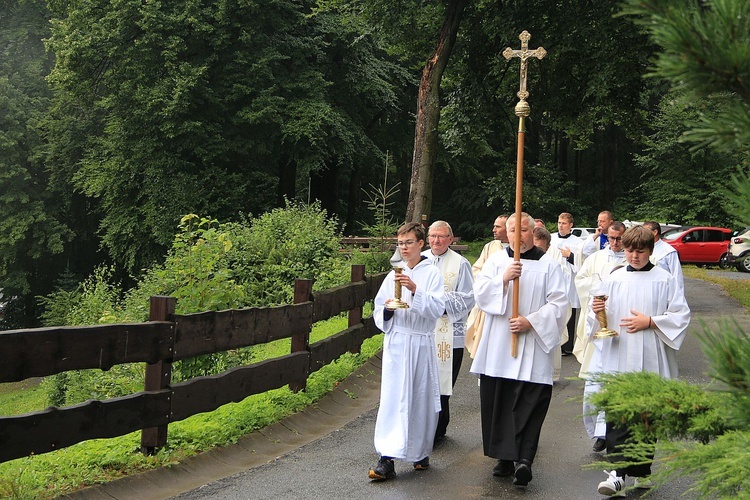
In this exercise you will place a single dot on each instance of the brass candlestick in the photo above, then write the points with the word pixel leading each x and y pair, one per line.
pixel 599 291
pixel 396 302
pixel 603 332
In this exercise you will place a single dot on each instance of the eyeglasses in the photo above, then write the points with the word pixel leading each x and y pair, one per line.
pixel 406 243
pixel 439 236
pixel 611 238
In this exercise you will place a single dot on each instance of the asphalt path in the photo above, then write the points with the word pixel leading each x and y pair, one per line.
pixel 333 463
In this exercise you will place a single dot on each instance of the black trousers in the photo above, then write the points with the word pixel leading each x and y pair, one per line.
pixel 445 414
pixel 512 416
pixel 616 437
pixel 568 346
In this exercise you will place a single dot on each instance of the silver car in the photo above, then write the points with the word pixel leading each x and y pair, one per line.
pixel 739 250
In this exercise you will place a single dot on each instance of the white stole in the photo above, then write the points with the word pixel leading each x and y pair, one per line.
pixel 449 264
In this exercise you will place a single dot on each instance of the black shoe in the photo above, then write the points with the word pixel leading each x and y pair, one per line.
pixel 522 475
pixel 599 445
pixel 504 468
pixel 384 470
pixel 567 353
pixel 423 464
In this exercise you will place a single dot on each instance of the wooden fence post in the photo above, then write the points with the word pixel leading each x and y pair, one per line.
pixel 355 315
pixel 301 342
pixel 158 375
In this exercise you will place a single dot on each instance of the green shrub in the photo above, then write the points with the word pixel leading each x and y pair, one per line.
pixel 298 241
pixel 703 432
pixel 211 266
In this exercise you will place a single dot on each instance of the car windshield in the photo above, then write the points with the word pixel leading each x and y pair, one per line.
pixel 672 234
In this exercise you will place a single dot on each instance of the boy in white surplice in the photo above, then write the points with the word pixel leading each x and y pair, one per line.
pixel 409 389
pixel 647 306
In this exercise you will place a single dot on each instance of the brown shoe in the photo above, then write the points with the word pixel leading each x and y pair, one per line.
pixel 423 464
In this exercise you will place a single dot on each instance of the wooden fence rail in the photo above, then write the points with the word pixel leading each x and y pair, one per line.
pixel 169 337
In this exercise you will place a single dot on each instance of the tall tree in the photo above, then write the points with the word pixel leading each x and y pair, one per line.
pixel 33 229
pixel 706 49
pixel 588 100
pixel 206 107
pixel 428 115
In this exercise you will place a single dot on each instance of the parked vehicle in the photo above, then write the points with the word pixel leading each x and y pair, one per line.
pixel 674 230
pixel 583 232
pixel 700 245
pixel 739 250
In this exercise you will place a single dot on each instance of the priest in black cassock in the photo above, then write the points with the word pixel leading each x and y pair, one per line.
pixel 515 392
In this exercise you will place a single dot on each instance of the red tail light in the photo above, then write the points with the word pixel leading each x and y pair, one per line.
pixel 737 241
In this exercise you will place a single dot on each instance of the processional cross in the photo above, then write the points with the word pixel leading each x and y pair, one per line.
pixel 522 111
pixel 524 54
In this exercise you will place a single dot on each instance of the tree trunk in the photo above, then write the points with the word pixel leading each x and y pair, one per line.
pixel 287 180
pixel 428 116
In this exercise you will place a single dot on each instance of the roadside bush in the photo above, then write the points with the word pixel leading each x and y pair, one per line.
pixel 298 241
pixel 702 432
pixel 211 266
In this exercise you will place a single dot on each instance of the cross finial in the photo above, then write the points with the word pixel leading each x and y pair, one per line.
pixel 522 109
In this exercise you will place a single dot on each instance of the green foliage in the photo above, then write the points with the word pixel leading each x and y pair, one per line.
pixel 34 223
pixel 545 190
pixel 298 241
pixel 655 408
pixel 195 272
pixel 379 202
pixel 167 108
pixel 705 51
pixel 211 266
pixel 738 193
pixel 664 193
pixel 706 46
pixel 728 350
pixel 673 411
pixel 22 397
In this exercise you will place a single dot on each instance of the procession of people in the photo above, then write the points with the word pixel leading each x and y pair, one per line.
pixel 515 315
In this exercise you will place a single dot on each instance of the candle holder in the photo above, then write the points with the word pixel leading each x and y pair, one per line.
pixel 396 302
pixel 598 291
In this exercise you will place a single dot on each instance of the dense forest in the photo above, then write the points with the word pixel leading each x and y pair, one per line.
pixel 119 118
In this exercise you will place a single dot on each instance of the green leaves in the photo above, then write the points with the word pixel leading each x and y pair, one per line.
pixel 672 411
pixel 705 52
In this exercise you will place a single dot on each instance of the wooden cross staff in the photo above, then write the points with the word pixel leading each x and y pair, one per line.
pixel 522 111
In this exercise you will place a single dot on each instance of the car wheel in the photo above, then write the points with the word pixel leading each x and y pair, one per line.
pixel 743 264
pixel 724 262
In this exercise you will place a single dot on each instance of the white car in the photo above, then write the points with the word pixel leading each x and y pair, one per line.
pixel 739 250
pixel 583 232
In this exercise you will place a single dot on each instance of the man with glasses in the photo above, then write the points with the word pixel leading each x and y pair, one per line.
pixel 409 388
pixel 450 331
pixel 595 268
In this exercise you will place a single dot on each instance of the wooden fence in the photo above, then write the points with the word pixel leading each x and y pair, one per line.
pixel 169 337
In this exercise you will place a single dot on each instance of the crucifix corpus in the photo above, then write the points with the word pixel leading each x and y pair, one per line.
pixel 522 111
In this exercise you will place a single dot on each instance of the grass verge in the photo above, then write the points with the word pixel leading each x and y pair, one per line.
pixel 103 460
pixel 739 289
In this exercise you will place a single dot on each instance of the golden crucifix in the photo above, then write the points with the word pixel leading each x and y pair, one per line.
pixel 522 111
pixel 524 54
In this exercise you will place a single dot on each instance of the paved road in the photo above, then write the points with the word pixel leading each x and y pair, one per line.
pixel 315 462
